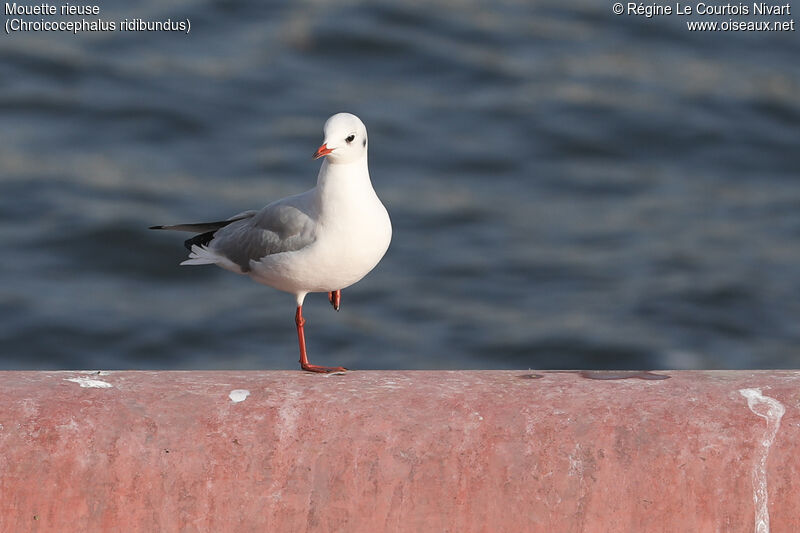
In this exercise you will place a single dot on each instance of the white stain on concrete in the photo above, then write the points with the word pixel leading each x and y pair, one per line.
pixel 239 395
pixel 90 383
pixel 575 462
pixel 770 410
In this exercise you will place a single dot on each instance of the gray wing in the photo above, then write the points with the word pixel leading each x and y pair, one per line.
pixel 282 226
pixel 202 227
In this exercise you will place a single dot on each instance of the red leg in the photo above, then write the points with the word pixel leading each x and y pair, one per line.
pixel 304 364
pixel 335 298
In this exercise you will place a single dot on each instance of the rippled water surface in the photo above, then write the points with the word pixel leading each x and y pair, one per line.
pixel 569 188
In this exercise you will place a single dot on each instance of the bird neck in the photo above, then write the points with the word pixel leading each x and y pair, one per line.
pixel 353 174
pixel 340 185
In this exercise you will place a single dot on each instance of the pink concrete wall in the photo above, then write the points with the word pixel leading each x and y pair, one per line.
pixel 463 451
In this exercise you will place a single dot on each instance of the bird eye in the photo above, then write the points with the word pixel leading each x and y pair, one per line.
pixel 350 138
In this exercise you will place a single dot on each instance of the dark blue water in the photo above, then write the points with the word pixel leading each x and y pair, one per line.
pixel 569 188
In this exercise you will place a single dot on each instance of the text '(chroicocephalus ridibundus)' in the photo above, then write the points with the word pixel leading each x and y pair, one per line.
pixel 322 240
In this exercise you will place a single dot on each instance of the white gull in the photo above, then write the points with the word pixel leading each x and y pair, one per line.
pixel 322 240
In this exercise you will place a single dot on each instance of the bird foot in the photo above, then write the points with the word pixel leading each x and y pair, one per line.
pixel 323 369
pixel 335 298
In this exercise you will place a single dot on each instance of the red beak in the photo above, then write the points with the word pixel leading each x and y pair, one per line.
pixel 322 150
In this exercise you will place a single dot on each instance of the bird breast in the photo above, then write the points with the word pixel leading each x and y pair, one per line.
pixel 358 236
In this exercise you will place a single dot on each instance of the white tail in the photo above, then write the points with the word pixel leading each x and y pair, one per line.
pixel 200 255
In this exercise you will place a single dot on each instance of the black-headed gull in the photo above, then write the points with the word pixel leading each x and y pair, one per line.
pixel 322 240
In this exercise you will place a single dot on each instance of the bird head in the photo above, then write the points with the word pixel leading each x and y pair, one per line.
pixel 345 139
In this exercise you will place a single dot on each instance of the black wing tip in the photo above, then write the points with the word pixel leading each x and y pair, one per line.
pixel 200 240
pixel 156 227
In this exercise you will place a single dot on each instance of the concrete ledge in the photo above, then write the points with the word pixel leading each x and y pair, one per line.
pixel 487 451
